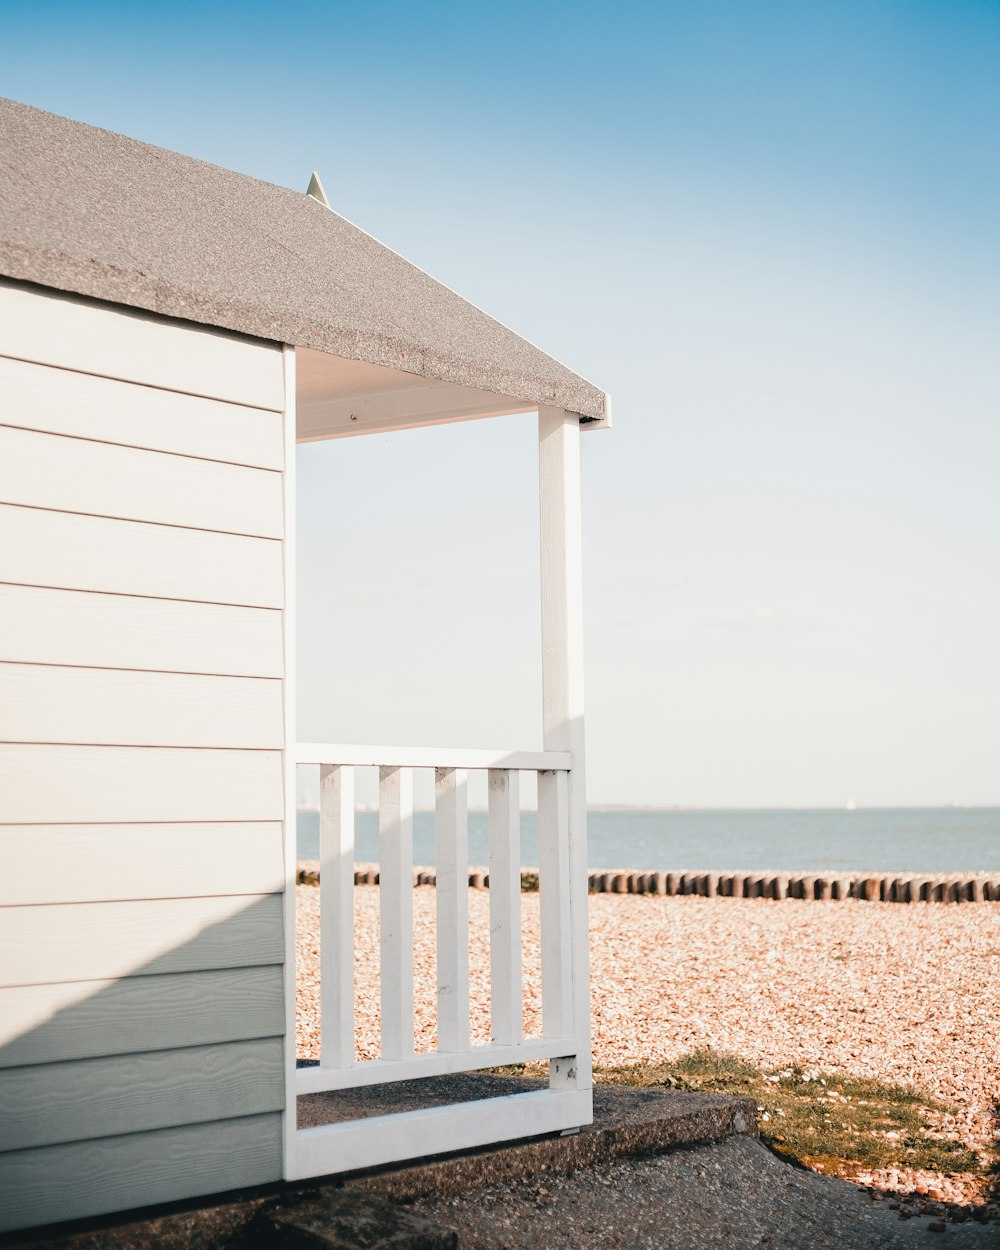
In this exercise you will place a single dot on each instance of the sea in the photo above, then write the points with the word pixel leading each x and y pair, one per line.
pixel 883 839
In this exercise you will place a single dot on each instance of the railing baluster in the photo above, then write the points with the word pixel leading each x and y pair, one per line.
pixel 553 874
pixel 451 843
pixel 396 910
pixel 336 855
pixel 505 907
pixel 396 938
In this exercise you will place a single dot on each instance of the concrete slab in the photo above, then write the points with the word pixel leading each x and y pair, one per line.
pixel 627 1123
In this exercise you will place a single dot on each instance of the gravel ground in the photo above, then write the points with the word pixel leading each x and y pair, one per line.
pixel 907 993
pixel 735 1195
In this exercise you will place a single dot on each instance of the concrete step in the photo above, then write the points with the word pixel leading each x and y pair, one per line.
pixel 627 1123
pixel 361 1211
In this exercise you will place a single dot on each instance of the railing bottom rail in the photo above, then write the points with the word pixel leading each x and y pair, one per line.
pixel 319 1079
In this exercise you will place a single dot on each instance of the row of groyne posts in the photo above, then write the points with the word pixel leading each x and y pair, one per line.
pixel 869 887
pixel 886 888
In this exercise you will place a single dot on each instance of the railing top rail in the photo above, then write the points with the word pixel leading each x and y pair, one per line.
pixel 429 757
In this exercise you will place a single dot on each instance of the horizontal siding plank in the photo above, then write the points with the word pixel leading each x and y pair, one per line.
pixel 43 784
pixel 45 626
pixel 52 328
pixel 39 397
pixel 86 1019
pixel 41 470
pixel 52 703
pixel 50 1103
pixel 96 941
pixel 72 552
pixel 103 863
pixel 79 1179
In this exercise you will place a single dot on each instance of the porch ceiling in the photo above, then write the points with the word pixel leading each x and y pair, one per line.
pixel 90 212
pixel 338 398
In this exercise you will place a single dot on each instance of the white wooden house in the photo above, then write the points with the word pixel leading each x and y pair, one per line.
pixel 168 331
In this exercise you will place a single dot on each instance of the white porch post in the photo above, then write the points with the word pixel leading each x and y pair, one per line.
pixel 289 764
pixel 562 694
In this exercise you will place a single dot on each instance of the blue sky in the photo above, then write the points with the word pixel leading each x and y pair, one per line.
pixel 769 230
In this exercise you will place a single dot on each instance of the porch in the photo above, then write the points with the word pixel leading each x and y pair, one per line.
pixel 335 399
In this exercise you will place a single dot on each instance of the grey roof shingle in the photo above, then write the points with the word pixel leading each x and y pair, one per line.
pixel 97 214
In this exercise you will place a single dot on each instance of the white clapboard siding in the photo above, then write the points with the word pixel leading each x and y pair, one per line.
pixel 77 1179
pixel 42 548
pixel 59 1102
pixel 38 397
pixel 142 930
pixel 55 329
pixel 40 625
pixel 84 1019
pixel 67 863
pixel 78 475
pixel 43 784
pixel 52 703
pixel 95 941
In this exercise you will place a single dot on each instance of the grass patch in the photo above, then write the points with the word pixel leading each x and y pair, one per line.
pixel 706 1063
pixel 827 1121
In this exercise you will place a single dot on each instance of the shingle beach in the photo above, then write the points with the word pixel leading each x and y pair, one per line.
pixel 906 994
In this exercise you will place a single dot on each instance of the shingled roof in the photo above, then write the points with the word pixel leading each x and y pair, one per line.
pixel 91 212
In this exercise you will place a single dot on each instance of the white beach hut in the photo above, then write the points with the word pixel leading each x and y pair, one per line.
pixel 168 331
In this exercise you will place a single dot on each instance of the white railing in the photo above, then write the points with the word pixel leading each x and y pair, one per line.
pixel 338 1067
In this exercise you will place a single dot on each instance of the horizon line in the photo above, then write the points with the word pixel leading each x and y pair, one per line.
pixel 707 807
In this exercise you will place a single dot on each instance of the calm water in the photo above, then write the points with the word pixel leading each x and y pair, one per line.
pixel 944 839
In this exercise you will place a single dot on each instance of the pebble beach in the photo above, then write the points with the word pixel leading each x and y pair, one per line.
pixel 905 994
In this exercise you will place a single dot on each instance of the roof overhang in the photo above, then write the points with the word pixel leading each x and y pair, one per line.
pixel 340 398
pixel 92 213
